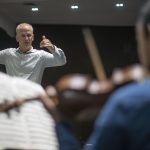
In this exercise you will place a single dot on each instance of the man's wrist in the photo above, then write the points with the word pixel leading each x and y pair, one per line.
pixel 52 49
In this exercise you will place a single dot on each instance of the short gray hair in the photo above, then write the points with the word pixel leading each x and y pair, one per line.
pixel 23 25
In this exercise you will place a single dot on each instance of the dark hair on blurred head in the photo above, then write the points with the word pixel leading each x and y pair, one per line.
pixel 144 17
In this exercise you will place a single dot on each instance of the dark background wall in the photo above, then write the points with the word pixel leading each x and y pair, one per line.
pixel 117 47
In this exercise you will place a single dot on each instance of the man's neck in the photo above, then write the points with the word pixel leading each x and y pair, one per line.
pixel 23 50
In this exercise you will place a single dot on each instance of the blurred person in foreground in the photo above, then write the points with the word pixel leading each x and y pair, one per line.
pixel 27 126
pixel 27 62
pixel 124 122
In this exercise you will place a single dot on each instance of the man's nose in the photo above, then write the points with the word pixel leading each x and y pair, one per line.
pixel 26 37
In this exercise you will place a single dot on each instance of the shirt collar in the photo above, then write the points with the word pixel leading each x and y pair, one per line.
pixel 30 51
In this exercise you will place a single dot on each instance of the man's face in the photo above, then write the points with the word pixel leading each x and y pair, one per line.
pixel 25 38
pixel 143 43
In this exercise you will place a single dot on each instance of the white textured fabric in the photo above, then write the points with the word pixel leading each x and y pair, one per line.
pixel 30 65
pixel 31 127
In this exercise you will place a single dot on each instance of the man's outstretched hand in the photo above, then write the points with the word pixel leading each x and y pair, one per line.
pixel 46 43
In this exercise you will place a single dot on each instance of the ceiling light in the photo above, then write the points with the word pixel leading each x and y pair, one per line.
pixel 74 7
pixel 34 9
pixel 119 5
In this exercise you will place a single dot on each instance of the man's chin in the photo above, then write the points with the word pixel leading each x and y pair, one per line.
pixel 27 47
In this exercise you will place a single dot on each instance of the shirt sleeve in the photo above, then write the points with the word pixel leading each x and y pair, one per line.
pixel 67 141
pixel 3 56
pixel 57 58
pixel 109 130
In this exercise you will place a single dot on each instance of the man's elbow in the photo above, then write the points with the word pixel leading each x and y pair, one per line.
pixel 64 61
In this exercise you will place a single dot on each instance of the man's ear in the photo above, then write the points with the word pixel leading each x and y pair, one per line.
pixel 33 38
